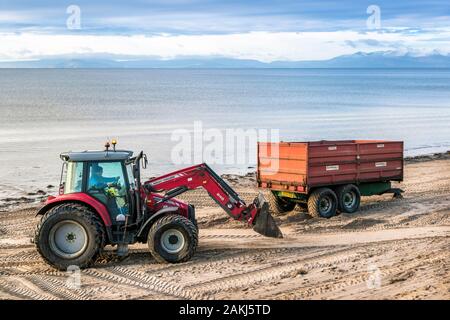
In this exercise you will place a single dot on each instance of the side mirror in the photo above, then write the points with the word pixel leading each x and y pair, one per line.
pixel 144 161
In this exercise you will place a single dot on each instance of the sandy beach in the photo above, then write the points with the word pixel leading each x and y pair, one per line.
pixel 390 249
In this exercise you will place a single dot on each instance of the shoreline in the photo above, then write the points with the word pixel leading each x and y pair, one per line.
pixel 33 198
pixel 428 157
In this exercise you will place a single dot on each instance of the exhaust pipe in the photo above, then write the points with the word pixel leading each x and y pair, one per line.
pixel 264 223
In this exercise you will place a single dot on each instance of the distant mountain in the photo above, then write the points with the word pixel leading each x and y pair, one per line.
pixel 385 60
pixel 358 60
pixel 81 62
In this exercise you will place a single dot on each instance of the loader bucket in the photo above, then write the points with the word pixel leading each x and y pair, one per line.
pixel 264 223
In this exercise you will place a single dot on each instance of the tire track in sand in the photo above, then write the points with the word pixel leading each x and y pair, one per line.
pixel 57 288
pixel 24 289
pixel 357 278
pixel 153 284
pixel 273 272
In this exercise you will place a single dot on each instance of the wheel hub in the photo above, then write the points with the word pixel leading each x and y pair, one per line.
pixel 68 239
pixel 325 205
pixel 71 237
pixel 172 241
pixel 349 199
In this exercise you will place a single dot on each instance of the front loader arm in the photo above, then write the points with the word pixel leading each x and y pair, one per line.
pixel 256 214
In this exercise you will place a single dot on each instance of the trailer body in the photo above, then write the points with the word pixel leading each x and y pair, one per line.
pixel 292 170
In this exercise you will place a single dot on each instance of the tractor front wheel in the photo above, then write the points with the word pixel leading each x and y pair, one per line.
pixel 69 235
pixel 173 238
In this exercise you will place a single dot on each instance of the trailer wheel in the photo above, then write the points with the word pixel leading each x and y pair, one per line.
pixel 349 198
pixel 322 202
pixel 173 239
pixel 279 206
pixel 69 235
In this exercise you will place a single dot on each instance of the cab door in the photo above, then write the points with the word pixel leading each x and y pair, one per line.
pixel 106 182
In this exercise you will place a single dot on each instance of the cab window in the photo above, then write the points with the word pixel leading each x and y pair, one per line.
pixel 74 177
pixel 103 174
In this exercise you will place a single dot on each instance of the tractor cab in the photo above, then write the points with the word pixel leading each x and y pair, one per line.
pixel 111 176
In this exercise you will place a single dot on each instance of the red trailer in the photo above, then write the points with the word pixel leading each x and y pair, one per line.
pixel 328 176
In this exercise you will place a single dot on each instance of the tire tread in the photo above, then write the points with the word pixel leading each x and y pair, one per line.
pixel 313 201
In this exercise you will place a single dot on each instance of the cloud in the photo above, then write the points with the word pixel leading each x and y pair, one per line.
pixel 262 46
pixel 264 30
pixel 220 16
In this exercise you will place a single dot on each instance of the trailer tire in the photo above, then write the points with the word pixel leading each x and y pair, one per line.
pixel 173 239
pixel 279 206
pixel 349 198
pixel 322 202
pixel 303 206
pixel 74 220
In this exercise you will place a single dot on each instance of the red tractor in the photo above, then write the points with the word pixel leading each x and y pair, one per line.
pixel 102 202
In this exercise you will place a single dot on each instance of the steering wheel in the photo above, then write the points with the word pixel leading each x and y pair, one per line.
pixel 115 183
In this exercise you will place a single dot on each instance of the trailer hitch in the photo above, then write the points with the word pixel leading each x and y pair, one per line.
pixel 263 223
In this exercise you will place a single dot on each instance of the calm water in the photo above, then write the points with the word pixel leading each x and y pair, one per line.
pixel 45 112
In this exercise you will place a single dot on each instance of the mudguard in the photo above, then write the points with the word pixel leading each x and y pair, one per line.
pixel 78 197
pixel 154 217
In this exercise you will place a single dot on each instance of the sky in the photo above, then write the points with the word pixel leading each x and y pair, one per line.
pixel 288 30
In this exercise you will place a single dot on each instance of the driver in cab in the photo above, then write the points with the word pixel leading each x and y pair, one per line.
pixel 97 180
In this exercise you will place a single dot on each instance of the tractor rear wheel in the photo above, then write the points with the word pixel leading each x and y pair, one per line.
pixel 70 235
pixel 279 206
pixel 322 202
pixel 349 198
pixel 173 238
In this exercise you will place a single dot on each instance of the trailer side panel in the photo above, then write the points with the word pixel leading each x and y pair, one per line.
pixel 306 165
